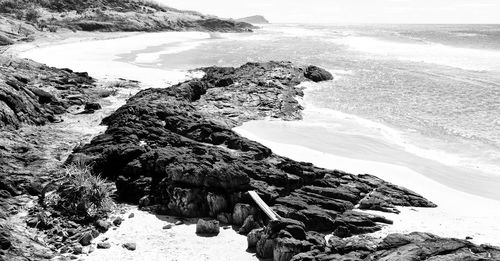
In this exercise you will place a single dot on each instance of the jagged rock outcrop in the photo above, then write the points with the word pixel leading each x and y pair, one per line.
pixel 176 146
pixel 32 93
pixel 413 246
pixel 24 19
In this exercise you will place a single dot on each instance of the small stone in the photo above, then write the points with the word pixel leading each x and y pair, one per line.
pixel 118 221
pixel 103 245
pixel 102 225
pixel 468 238
pixel 169 226
pixel 129 246
pixel 131 215
pixel 77 250
pixel 180 222
pixel 86 238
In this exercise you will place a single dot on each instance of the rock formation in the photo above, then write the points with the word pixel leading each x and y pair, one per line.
pixel 24 19
pixel 255 19
pixel 176 146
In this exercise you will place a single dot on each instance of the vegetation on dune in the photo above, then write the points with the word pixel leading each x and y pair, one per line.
pixel 10 6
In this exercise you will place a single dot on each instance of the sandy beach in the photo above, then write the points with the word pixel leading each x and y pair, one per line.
pixel 178 243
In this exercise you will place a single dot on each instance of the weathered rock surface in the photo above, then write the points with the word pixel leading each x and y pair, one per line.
pixel 414 246
pixel 30 93
pixel 207 227
pixel 22 20
pixel 176 146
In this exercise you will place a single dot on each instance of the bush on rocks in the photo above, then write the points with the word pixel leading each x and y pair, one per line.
pixel 81 194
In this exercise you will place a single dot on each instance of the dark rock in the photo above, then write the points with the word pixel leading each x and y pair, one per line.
pixel 342 232
pixel 92 106
pixel 317 74
pixel 297 232
pixel 265 247
pixel 175 146
pixel 78 250
pixel 242 212
pixel 286 248
pixel 169 226
pixel 129 246
pixel 131 215
pixel 207 227
pixel 117 221
pixel 102 225
pixel 254 236
pixel 5 242
pixel 103 245
pixel 250 224
pixel 86 238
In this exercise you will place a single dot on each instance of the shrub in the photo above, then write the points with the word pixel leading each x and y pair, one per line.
pixel 32 15
pixel 83 194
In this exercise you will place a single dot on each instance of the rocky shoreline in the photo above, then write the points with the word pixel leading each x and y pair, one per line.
pixel 172 151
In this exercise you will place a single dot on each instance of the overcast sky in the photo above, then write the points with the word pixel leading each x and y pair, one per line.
pixel 351 11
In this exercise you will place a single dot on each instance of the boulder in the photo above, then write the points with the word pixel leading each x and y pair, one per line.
pixel 103 245
pixel 5 242
pixel 207 227
pixel 265 247
pixel 249 224
pixel 117 221
pixel 317 74
pixel 216 204
pixel 86 238
pixel 286 248
pixel 254 236
pixel 241 213
pixel 102 225
pixel 92 106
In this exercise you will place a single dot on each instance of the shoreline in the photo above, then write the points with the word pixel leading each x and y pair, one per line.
pixel 406 221
pixel 458 215
pixel 145 229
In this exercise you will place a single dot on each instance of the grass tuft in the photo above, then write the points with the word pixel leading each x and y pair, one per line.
pixel 83 194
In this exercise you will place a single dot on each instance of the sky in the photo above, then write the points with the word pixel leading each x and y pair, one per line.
pixel 350 11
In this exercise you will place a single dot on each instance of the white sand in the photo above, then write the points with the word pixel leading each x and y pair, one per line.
pixel 178 243
pixel 459 214
pixel 101 58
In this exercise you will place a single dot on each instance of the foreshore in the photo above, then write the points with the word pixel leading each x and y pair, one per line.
pixel 145 229
pixel 458 214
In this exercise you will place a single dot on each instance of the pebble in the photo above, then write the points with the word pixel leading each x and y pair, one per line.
pixel 169 226
pixel 129 246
